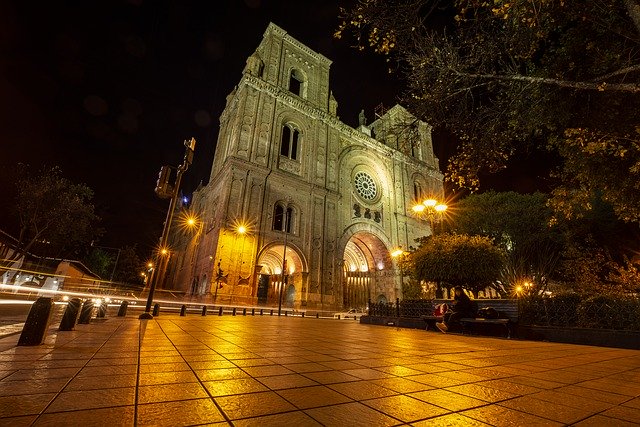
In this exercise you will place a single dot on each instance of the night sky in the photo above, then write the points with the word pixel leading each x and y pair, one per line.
pixel 109 90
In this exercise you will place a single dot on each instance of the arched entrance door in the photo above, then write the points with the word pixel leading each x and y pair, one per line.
pixel 367 270
pixel 271 281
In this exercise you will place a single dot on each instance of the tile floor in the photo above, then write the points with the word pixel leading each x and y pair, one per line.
pixel 291 371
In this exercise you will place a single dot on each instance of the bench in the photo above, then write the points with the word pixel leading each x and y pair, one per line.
pixel 506 308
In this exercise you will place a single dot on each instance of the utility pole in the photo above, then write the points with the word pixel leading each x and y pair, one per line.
pixel 163 190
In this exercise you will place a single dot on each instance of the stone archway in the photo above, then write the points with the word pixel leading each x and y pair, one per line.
pixel 271 278
pixel 367 270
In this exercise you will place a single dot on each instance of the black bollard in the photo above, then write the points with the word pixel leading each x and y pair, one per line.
pixel 253 311
pixel 272 312
pixel 122 311
pixel 204 310
pixel 233 313
pixel 338 317
pixel 220 311
pixel 102 310
pixel 156 310
pixel 261 312
pixel 35 328
pixel 183 310
pixel 70 316
pixel 285 313
pixel 244 311
pixel 303 314
pixel 317 315
pixel 86 312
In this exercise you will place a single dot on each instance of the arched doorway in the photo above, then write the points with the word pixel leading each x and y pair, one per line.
pixel 271 281
pixel 367 270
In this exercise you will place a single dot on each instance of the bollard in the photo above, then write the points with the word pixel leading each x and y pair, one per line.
pixel 244 311
pixel 317 315
pixel 233 313
pixel 338 317
pixel 204 310
pixel 85 312
pixel 70 316
pixel 253 311
pixel 122 311
pixel 260 312
pixel 272 312
pixel 303 314
pixel 102 310
pixel 156 310
pixel 220 312
pixel 285 313
pixel 183 310
pixel 35 328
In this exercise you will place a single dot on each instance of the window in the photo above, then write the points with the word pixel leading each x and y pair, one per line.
pixel 295 82
pixel 417 191
pixel 280 221
pixel 289 143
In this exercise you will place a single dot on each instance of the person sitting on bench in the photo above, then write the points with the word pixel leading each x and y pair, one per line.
pixel 460 307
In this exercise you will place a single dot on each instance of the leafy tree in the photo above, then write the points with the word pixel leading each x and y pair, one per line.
pixel 129 266
pixel 510 75
pixel 520 224
pixel 473 262
pixel 100 262
pixel 55 215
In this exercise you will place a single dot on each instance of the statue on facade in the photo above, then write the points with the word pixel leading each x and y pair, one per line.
pixel 362 120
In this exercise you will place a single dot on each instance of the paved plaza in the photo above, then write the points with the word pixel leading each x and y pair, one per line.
pixel 293 371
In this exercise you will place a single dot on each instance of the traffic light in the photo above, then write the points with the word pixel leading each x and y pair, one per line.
pixel 190 148
pixel 164 189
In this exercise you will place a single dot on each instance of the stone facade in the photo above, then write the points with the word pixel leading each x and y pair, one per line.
pixel 336 200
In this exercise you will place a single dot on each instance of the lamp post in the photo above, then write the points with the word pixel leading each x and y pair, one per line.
pixel 285 224
pixel 397 254
pixel 240 230
pixel 190 146
pixel 432 209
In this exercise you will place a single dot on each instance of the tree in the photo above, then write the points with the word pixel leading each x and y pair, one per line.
pixel 54 214
pixel 129 266
pixel 473 262
pixel 519 224
pixel 510 75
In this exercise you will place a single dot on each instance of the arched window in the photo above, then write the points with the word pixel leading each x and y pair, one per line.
pixel 283 218
pixel 289 143
pixel 296 82
pixel 417 191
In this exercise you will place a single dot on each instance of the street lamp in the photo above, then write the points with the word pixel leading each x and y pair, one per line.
pixel 190 147
pixel 432 209
pixel 397 254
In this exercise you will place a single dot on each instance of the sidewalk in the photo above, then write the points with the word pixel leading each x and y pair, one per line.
pixel 285 371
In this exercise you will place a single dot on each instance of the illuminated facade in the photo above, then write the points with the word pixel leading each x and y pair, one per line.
pixel 332 200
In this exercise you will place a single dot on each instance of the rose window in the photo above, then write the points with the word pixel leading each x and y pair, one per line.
pixel 365 186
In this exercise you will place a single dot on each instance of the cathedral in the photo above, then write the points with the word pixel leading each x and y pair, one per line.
pixel 301 209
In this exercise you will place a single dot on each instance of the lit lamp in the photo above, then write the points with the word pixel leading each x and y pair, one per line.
pixel 432 210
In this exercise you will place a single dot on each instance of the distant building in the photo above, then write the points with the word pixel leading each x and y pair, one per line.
pixel 331 200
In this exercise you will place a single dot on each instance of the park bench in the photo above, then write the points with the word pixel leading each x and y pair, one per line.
pixel 506 308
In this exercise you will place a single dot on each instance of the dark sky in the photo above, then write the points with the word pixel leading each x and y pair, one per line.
pixel 109 90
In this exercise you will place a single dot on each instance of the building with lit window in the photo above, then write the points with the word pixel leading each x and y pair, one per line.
pixel 324 204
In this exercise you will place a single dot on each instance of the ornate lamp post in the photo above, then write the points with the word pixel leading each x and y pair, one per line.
pixel 432 209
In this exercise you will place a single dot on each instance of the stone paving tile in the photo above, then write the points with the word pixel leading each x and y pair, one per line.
pixel 330 377
pixel 434 380
pixel 367 374
pixel 17 405
pixel 95 371
pixel 297 418
pixel 487 394
pixel 253 405
pixel 362 390
pixel 351 414
pixel 234 386
pixel 267 371
pixel 91 399
pixel 634 403
pixel 14 388
pixel 312 397
pixel 221 374
pixel 24 421
pixel 602 421
pixel 101 382
pixel 180 413
pixel 170 392
pixel 450 420
pixel 549 410
pixel 515 388
pixel 623 413
pixel 500 416
pixel 402 385
pixel 307 367
pixel 156 378
pixel 571 400
pixel 122 416
pixel 448 400
pixel 39 374
pixel 280 382
pixel 405 408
